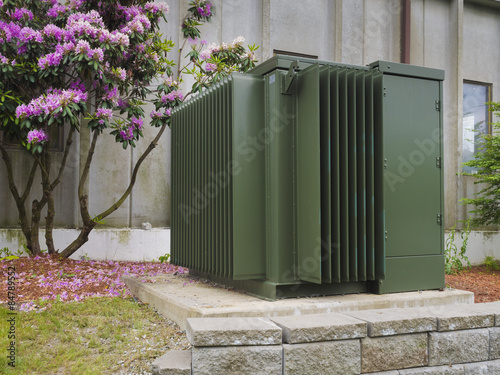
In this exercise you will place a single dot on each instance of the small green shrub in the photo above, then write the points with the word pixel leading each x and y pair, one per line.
pixel 491 264
pixel 164 259
pixel 454 257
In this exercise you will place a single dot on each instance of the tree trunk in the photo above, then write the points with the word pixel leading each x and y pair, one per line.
pixel 20 200
pixel 35 228
pixel 83 237
pixel 49 225
pixel 49 198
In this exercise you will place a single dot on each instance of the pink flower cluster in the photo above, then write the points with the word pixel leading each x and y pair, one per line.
pixel 37 136
pixel 57 10
pixel 51 59
pixel 8 31
pixel 139 24
pixel 54 31
pixel 93 17
pixel 21 14
pixel 204 9
pixel 212 48
pixel 209 67
pixel 27 35
pixel 156 7
pixel 104 114
pixel 136 122
pixel 119 73
pixel 52 103
pixel 158 114
pixel 111 94
pixel 127 133
pixel 170 97
pixel 5 60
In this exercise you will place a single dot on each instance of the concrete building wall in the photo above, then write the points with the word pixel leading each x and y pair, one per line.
pixel 459 36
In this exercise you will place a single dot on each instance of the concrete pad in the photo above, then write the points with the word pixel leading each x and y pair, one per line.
pixel 180 297
pixel 232 331
pixel 319 327
pixel 388 322
pixel 174 362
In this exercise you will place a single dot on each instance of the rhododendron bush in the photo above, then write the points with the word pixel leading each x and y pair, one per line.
pixel 93 66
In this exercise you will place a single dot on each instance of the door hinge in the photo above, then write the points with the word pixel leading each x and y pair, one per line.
pixel 438 162
pixel 440 219
pixel 289 78
pixel 438 105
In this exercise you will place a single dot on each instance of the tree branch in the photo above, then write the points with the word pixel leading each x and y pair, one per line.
pixel 84 212
pixel 69 141
pixel 29 183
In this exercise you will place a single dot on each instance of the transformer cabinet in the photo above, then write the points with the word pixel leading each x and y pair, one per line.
pixel 306 177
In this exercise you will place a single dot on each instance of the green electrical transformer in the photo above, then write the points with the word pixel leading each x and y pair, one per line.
pixel 306 177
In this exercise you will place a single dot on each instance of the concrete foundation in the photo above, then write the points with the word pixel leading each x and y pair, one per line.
pixel 180 297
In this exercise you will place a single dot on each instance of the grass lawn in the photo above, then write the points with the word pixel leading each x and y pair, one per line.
pixel 78 317
pixel 97 336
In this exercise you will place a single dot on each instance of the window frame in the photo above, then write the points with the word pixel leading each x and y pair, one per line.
pixel 489 117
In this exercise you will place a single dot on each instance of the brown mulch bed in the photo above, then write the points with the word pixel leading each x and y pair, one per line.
pixel 49 277
pixel 483 282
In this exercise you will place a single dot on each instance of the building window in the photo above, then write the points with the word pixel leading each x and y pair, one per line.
pixel 476 118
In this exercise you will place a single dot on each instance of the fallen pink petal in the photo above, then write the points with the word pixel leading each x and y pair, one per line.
pixel 46 277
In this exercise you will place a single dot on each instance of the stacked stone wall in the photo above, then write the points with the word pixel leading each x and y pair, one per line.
pixel 438 340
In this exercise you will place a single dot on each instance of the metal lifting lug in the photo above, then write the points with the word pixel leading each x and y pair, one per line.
pixel 290 76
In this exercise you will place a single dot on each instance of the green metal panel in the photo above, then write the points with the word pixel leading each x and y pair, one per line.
pixel 279 169
pixel 229 199
pixel 352 175
pixel 249 231
pixel 361 174
pixel 379 204
pixel 412 179
pixel 413 273
pixel 308 173
pixel 282 62
pixel 343 219
pixel 335 174
pixel 369 177
pixel 407 70
pixel 326 175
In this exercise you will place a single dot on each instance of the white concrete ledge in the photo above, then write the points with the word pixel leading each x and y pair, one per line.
pixel 131 244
